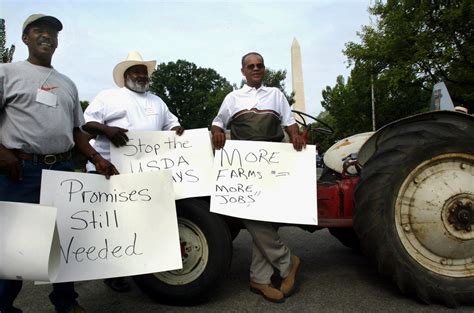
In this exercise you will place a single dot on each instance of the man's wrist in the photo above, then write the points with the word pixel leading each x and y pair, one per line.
pixel 292 134
pixel 93 157
pixel 216 129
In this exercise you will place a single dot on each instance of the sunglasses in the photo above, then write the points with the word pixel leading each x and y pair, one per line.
pixel 253 66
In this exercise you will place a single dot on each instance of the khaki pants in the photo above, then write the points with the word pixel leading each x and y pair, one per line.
pixel 268 252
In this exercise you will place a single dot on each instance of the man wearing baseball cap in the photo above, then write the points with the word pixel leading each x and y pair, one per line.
pixel 41 18
pixel 40 116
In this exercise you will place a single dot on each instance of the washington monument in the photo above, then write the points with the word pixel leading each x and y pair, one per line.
pixel 297 78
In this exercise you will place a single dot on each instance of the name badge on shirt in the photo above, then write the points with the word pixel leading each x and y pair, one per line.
pixel 150 110
pixel 46 98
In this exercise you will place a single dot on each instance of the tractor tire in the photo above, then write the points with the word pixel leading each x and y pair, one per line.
pixel 346 236
pixel 206 248
pixel 414 211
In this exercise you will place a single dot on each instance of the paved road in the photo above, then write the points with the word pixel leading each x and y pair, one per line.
pixel 332 277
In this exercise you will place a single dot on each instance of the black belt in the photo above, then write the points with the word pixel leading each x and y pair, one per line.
pixel 48 159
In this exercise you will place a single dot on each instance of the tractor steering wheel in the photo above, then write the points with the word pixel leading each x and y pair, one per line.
pixel 324 130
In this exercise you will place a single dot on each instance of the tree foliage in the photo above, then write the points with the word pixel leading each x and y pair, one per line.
pixel 412 46
pixel 192 93
pixel 322 140
pixel 6 54
pixel 84 104
pixel 433 39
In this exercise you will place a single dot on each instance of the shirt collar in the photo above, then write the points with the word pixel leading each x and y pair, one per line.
pixel 247 88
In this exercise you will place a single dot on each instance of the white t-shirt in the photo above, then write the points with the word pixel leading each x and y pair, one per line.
pixel 127 109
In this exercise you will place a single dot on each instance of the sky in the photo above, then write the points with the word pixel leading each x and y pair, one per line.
pixel 211 34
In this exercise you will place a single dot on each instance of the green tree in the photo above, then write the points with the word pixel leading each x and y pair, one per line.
pixel 275 78
pixel 84 104
pixel 192 93
pixel 6 55
pixel 322 140
pixel 419 43
pixel 350 103
pixel 343 103
pixel 412 46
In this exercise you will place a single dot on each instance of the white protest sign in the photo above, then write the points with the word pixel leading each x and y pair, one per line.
pixel 29 244
pixel 188 156
pixel 123 226
pixel 265 181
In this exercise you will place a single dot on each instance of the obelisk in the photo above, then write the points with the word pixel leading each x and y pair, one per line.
pixel 297 78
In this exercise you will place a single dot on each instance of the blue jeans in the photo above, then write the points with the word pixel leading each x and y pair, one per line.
pixel 27 190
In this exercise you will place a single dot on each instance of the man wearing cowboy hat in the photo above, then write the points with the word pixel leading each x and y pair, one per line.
pixel 131 107
pixel 40 116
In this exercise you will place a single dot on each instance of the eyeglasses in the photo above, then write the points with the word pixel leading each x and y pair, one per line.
pixel 253 66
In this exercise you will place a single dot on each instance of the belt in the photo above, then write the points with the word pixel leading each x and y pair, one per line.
pixel 48 159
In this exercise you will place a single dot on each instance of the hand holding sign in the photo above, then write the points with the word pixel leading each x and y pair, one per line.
pixel 188 156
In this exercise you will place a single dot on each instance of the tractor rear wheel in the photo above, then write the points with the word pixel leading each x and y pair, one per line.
pixel 206 249
pixel 414 211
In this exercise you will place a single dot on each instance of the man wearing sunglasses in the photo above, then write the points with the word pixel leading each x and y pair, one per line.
pixel 260 113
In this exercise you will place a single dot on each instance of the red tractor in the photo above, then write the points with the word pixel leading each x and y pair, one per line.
pixel 404 195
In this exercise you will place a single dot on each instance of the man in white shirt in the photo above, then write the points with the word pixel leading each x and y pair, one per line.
pixel 259 113
pixel 131 107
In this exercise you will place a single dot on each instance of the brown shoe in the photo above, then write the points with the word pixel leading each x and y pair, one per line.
pixel 288 284
pixel 268 292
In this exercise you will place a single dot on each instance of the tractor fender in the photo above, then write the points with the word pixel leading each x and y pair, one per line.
pixel 344 149
pixel 371 145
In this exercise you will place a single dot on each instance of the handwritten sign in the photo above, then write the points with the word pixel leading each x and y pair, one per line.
pixel 265 181
pixel 126 225
pixel 29 244
pixel 188 156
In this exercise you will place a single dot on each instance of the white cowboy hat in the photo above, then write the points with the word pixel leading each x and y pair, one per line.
pixel 133 58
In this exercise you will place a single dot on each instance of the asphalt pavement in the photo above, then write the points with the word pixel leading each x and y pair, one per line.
pixel 332 279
